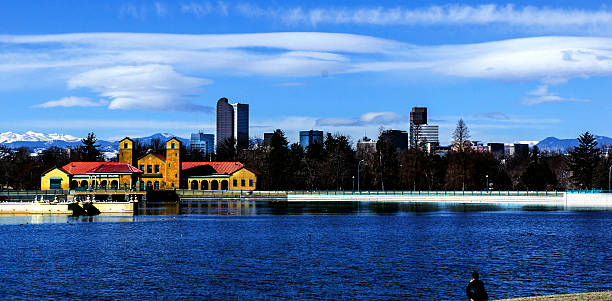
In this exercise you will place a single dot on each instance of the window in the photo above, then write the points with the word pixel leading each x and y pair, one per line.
pixel 149 168
pixel 156 168
pixel 172 146
pixel 55 184
pixel 142 167
pixel 125 145
pixel 251 182
pixel 242 182
pixel 156 185
pixel 235 182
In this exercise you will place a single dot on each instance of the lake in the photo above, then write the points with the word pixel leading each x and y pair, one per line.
pixel 259 250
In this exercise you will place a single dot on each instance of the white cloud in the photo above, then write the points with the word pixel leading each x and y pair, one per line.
pixel 454 14
pixel 542 95
pixel 369 118
pixel 72 101
pixel 147 87
pixel 303 54
pixel 197 9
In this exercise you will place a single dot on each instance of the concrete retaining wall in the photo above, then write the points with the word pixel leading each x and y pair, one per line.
pixel 566 200
pixel 34 208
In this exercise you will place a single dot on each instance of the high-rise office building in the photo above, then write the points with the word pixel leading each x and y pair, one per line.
pixel 418 115
pixel 418 118
pixel 204 143
pixel 309 137
pixel 241 125
pixel 232 123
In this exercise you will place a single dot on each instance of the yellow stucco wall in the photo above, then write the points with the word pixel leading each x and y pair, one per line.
pixel 45 180
pixel 241 174
pixel 153 176
pixel 126 151
pixel 173 163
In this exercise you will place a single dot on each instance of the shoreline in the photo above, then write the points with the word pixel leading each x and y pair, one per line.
pixel 594 296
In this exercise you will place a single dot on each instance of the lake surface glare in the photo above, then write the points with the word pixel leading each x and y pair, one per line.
pixel 256 250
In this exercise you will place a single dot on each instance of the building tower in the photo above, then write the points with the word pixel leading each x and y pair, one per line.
pixel 173 163
pixel 241 125
pixel 225 121
pixel 126 151
pixel 126 156
pixel 418 117
pixel 232 123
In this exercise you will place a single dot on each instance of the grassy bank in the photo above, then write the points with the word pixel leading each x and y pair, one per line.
pixel 594 296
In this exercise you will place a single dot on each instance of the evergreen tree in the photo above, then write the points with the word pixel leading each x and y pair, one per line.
pixel 89 149
pixel 583 160
pixel 278 158
pixel 538 175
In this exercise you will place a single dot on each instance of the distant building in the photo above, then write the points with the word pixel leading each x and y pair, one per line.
pixel 521 150
pixel 267 137
pixel 232 123
pixel 497 149
pixel 309 137
pixel 418 118
pixel 366 145
pixel 395 138
pixel 204 143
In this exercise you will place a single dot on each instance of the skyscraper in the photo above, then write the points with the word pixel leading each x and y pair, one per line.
pixel 418 117
pixel 241 125
pixel 232 123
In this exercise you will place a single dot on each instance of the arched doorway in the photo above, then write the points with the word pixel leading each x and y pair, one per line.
pixel 114 184
pixel 74 184
pixel 103 184
pixel 214 185
pixel 224 185
pixel 141 185
pixel 156 187
pixel 149 185
pixel 194 185
pixel 204 185
pixel 84 184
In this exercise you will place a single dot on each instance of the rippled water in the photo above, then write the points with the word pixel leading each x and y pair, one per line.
pixel 222 250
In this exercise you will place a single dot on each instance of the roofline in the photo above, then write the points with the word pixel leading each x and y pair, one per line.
pixel 154 155
pixel 51 169
pixel 128 138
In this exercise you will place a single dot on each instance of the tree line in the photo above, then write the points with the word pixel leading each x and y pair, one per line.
pixel 335 165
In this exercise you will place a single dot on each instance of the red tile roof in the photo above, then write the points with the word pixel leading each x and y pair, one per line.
pixel 83 168
pixel 115 168
pixel 221 168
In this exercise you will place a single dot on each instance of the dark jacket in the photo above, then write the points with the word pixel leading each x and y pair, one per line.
pixel 476 291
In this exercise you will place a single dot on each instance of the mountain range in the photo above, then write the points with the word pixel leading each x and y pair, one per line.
pixel 39 141
pixel 562 145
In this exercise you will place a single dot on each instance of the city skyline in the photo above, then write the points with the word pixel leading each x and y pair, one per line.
pixel 512 72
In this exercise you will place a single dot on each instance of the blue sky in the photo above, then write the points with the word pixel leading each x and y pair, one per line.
pixel 515 71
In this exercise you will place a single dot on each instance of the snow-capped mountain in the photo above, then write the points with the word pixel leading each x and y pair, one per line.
pixel 10 137
pixel 37 142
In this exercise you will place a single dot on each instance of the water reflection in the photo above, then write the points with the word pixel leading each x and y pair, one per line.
pixel 249 207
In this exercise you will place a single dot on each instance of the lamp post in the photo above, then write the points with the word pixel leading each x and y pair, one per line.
pixel 353 183
pixel 358 165
pixel 487 176
pixel 609 174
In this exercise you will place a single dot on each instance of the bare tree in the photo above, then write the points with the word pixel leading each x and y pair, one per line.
pixel 461 135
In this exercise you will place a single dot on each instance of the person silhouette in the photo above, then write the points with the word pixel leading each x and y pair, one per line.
pixel 475 290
